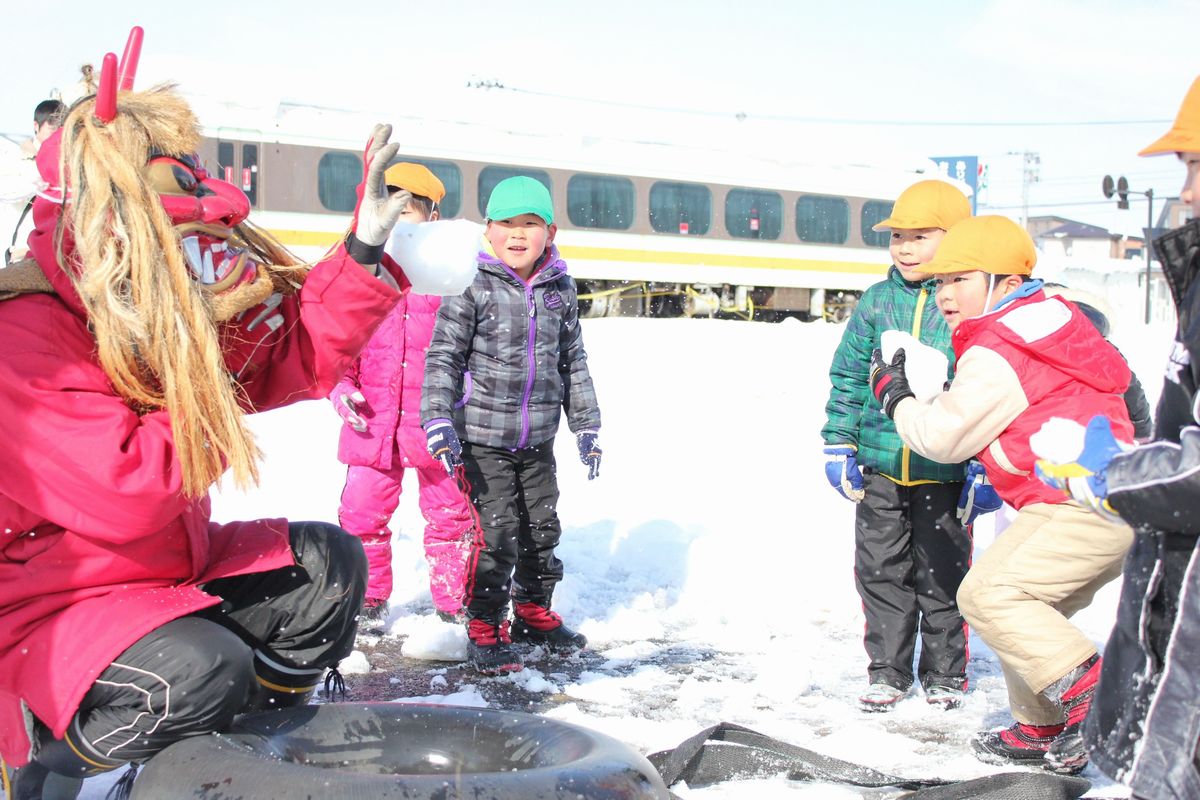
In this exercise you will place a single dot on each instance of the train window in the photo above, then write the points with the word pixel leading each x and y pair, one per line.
pixel 600 201
pixel 680 208
pixel 451 177
pixel 822 219
pixel 490 176
pixel 225 161
pixel 337 176
pixel 753 214
pixel 250 172
pixel 874 211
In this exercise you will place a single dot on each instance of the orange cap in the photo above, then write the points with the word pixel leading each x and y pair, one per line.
pixel 989 243
pixel 927 204
pixel 415 178
pixel 1185 133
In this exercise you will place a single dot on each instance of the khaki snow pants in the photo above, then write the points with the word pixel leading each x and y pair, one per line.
pixel 1018 596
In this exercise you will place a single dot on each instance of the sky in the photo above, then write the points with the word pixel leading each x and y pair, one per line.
pixel 1083 85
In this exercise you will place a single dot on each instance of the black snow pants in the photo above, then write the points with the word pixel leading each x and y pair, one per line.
pixel 266 645
pixel 515 498
pixel 911 554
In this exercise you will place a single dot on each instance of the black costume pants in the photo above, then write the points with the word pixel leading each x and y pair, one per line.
pixel 515 497
pixel 271 638
pixel 911 554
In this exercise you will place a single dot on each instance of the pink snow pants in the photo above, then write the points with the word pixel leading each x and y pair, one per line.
pixel 369 499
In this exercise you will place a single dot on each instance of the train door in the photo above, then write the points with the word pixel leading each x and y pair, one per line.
pixel 239 164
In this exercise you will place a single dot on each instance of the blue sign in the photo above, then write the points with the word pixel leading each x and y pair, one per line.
pixel 963 168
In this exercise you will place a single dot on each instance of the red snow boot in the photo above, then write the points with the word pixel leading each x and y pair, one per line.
pixel 489 648
pixel 539 625
pixel 1021 744
pixel 1074 691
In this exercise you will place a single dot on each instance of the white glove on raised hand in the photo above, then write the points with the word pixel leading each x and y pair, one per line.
pixel 377 210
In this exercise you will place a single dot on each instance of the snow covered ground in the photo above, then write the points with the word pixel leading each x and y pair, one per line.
pixel 711 533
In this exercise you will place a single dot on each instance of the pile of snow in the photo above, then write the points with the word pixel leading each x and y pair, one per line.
pixel 710 564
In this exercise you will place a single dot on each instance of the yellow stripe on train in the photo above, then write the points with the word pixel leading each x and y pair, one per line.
pixel 324 239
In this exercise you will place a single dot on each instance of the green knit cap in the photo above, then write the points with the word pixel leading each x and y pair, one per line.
pixel 519 195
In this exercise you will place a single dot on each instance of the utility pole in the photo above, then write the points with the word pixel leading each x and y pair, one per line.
pixel 1122 191
pixel 1031 167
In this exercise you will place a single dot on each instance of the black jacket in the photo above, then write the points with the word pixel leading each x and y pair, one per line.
pixel 1145 719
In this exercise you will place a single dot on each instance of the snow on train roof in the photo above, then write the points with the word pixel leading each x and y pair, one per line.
pixel 471 126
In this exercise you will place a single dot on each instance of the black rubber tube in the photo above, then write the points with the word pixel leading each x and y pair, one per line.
pixel 369 751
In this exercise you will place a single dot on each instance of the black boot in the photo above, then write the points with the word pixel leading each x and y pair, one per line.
pixel 537 624
pixel 1074 691
pixel 489 648
pixel 278 687
pixel 1021 744
pixel 35 782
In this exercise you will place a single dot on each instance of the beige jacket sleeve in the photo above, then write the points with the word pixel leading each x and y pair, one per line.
pixel 984 398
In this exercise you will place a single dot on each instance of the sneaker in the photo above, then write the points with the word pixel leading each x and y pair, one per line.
pixel 945 697
pixel 374 615
pixel 540 626
pixel 1021 744
pixel 1067 755
pixel 490 650
pixel 880 697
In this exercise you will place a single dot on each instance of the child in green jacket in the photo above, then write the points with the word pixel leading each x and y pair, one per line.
pixel 913 518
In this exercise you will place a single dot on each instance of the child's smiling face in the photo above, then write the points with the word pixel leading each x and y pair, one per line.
pixel 913 247
pixel 520 241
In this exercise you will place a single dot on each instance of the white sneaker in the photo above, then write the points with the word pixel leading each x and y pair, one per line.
pixel 945 697
pixel 880 697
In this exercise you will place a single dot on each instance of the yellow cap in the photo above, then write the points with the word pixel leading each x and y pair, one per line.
pixel 1185 133
pixel 927 204
pixel 990 243
pixel 415 178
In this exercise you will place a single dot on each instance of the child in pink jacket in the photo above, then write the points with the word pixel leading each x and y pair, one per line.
pixel 379 399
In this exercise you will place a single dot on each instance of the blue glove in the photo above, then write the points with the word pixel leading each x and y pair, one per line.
pixel 442 443
pixel 589 453
pixel 1083 479
pixel 978 495
pixel 842 471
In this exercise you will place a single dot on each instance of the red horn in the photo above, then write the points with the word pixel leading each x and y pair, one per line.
pixel 106 95
pixel 129 59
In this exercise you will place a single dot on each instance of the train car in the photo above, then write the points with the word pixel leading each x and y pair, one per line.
pixel 646 227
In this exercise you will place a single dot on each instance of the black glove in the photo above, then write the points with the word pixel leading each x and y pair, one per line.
pixel 442 443
pixel 889 384
pixel 589 452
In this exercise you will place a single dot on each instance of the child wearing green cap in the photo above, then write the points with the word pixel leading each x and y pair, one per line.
pixel 913 516
pixel 506 359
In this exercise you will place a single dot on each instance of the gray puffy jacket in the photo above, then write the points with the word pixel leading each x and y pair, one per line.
pixel 507 355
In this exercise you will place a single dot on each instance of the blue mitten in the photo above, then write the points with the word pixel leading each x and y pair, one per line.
pixel 589 452
pixel 978 495
pixel 442 443
pixel 843 473
pixel 1084 478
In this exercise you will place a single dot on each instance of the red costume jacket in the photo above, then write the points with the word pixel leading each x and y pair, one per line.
pixel 98 545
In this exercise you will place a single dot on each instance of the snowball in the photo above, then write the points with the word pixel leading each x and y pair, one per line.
pixel 438 257
pixel 927 368
pixel 1058 440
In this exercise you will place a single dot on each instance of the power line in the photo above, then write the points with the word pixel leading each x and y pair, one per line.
pixel 742 115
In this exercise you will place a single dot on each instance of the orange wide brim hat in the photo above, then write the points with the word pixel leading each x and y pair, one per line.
pixel 1184 135
pixel 415 178
pixel 990 243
